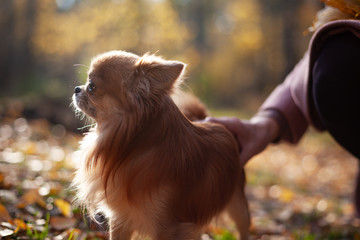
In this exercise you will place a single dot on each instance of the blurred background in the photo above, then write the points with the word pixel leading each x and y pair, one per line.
pixel 237 51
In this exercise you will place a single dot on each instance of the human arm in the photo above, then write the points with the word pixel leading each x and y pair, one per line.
pixel 252 135
pixel 291 105
pixel 280 118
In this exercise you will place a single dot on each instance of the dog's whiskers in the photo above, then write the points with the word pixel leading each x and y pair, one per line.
pixel 89 123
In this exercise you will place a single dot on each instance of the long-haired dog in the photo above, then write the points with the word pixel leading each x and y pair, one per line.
pixel 145 165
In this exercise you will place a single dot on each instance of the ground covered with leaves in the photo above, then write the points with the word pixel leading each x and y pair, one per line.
pixel 295 192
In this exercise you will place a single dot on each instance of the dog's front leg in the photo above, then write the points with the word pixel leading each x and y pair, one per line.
pixel 179 231
pixel 118 231
pixel 238 208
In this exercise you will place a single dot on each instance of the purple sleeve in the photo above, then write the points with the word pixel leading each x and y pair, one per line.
pixel 286 106
pixel 289 104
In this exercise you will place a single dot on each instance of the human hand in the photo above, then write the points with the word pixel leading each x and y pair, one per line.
pixel 252 135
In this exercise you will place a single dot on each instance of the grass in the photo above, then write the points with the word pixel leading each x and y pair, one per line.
pixel 32 233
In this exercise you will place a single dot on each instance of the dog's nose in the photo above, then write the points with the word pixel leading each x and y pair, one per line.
pixel 77 89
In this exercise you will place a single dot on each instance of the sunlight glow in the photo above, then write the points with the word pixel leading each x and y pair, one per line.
pixel 65 4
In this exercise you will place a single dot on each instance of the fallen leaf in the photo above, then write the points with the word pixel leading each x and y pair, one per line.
pixel 287 195
pixel 6 232
pixel 7 225
pixel 20 225
pixel 4 215
pixel 55 188
pixel 62 223
pixel 70 234
pixel 31 197
pixel 8 196
pixel 29 148
pixel 64 207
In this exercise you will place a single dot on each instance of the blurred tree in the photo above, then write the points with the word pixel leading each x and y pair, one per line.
pixel 42 40
pixel 254 45
pixel 91 27
pixel 16 29
pixel 236 50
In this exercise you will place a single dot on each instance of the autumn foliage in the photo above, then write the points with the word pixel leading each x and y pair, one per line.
pixel 302 192
pixel 236 52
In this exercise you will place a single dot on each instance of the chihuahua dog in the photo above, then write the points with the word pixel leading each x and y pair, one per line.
pixel 145 165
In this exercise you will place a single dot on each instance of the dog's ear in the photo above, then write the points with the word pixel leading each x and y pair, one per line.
pixel 159 74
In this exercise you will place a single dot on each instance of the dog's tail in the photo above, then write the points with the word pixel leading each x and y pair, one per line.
pixel 189 105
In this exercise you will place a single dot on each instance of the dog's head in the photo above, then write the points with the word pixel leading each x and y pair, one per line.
pixel 120 83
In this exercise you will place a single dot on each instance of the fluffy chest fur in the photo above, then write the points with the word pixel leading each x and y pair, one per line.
pixel 163 176
pixel 133 208
pixel 146 166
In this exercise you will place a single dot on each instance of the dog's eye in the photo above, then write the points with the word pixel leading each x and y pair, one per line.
pixel 91 87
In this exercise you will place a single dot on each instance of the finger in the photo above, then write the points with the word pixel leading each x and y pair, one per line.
pixel 230 123
pixel 215 119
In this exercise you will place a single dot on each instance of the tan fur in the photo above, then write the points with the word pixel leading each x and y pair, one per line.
pixel 189 105
pixel 145 165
